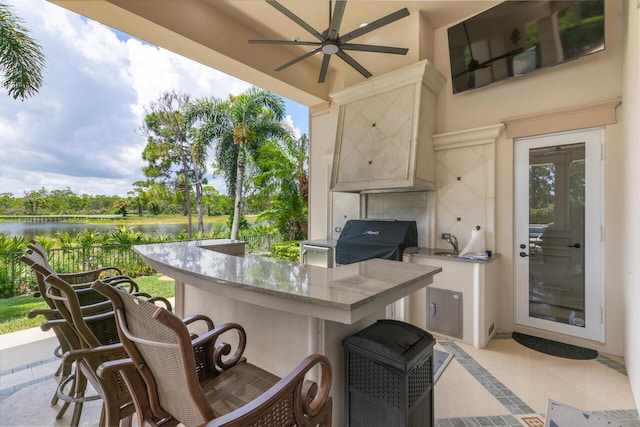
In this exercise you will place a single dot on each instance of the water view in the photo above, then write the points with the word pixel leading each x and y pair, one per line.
pixel 31 229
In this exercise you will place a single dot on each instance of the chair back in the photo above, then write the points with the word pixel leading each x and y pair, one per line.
pixel 30 258
pixel 42 269
pixel 159 344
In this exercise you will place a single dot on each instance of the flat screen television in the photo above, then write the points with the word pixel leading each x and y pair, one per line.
pixel 517 37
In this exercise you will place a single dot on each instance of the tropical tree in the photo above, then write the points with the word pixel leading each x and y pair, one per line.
pixel 34 200
pixel 172 157
pixel 121 207
pixel 216 203
pixel 284 178
pixel 21 58
pixel 238 126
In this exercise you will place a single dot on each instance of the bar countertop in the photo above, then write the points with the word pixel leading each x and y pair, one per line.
pixel 344 294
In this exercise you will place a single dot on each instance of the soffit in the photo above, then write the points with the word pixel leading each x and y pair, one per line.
pixel 215 33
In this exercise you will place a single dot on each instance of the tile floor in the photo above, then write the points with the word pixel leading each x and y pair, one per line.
pixel 505 384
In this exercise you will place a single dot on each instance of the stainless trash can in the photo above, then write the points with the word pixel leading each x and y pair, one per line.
pixel 389 376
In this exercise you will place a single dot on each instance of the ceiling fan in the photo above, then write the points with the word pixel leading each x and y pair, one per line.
pixel 330 42
pixel 474 64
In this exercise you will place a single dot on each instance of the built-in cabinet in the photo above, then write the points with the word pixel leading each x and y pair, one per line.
pixel 445 311
pixel 476 283
pixel 384 134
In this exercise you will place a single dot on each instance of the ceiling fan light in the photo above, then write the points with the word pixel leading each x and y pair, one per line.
pixel 330 48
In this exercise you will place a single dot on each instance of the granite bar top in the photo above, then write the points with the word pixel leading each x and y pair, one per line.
pixel 347 288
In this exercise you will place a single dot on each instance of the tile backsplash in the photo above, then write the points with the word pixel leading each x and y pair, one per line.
pixel 405 206
pixel 465 195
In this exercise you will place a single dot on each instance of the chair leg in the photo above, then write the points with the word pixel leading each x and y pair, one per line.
pixel 81 386
pixel 60 390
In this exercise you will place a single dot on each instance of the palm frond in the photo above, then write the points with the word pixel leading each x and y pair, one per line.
pixel 21 58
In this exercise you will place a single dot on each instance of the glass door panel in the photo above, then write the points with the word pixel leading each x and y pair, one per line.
pixel 556 234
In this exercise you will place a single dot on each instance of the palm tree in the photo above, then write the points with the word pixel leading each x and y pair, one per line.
pixel 238 126
pixel 21 58
pixel 284 178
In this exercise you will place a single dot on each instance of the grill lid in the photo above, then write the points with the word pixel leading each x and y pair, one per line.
pixel 361 240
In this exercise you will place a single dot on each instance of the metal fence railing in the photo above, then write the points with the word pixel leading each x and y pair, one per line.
pixel 16 277
pixel 261 242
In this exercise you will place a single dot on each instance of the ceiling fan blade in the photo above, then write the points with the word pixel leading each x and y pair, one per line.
pixel 374 48
pixel 295 19
pixel 324 68
pixel 286 42
pixel 349 60
pixel 336 19
pixel 298 59
pixel 392 17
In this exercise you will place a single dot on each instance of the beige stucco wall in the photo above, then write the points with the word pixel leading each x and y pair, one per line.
pixel 323 123
pixel 630 223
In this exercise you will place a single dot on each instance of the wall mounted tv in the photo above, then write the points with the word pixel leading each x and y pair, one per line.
pixel 517 37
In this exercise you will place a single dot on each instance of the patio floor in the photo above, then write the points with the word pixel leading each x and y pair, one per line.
pixel 505 384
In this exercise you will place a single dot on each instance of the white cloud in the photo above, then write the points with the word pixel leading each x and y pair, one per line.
pixel 289 121
pixel 80 130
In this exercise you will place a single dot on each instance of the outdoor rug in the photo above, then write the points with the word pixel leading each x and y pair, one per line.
pixel 440 361
pixel 555 348
pixel 561 415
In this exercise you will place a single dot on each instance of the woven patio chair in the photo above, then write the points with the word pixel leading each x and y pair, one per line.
pixel 82 277
pixel 99 342
pixel 36 255
pixel 66 336
pixel 201 382
pixel 95 341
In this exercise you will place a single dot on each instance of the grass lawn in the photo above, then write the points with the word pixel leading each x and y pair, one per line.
pixel 13 311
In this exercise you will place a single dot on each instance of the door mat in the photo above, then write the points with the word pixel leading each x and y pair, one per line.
pixel 440 361
pixel 561 415
pixel 555 348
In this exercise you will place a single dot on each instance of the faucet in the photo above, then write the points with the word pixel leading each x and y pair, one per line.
pixel 453 240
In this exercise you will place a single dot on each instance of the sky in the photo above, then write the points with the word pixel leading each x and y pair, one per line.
pixel 82 130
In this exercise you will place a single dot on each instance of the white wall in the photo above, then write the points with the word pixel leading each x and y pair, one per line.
pixel 631 207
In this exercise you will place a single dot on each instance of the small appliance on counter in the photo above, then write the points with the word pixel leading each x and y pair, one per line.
pixel 318 255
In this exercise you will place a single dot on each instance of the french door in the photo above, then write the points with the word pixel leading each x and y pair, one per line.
pixel 559 214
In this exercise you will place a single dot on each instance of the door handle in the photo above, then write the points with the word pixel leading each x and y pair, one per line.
pixel 523 254
pixel 433 309
pixel 575 245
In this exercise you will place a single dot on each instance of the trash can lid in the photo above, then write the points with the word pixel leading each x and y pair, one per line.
pixel 391 341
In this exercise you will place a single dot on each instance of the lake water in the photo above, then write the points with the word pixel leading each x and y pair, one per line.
pixel 31 229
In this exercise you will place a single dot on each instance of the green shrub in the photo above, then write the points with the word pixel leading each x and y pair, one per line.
pixel 289 251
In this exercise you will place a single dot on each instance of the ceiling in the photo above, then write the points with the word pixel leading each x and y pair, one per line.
pixel 216 33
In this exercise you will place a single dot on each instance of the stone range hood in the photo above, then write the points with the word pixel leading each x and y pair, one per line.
pixel 384 135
